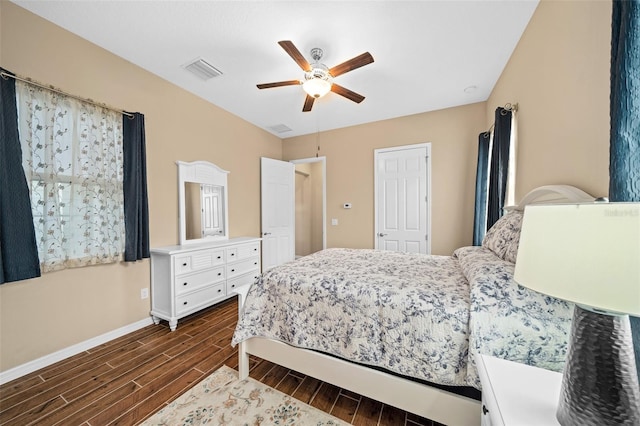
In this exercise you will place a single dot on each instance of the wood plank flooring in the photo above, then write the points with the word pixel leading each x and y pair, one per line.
pixel 124 381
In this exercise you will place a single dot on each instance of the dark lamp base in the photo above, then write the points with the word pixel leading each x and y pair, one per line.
pixel 600 382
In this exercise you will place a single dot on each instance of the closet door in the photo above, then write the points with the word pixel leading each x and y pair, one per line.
pixel 402 205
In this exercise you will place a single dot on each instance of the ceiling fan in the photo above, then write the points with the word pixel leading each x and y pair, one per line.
pixel 318 79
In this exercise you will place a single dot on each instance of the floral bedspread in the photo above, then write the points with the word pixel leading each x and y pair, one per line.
pixel 407 313
pixel 509 321
pixel 421 316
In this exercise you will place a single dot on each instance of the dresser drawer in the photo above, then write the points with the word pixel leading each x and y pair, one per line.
pixel 246 251
pixel 193 300
pixel 242 280
pixel 197 261
pixel 243 267
pixel 193 281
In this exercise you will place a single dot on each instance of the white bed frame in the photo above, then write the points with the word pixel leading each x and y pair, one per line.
pixel 427 401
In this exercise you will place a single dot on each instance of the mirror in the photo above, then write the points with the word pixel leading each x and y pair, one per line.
pixel 202 189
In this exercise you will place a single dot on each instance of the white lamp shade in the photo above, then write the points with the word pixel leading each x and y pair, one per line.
pixel 316 87
pixel 588 254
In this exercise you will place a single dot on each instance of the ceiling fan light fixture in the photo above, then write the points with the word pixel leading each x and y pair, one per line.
pixel 316 87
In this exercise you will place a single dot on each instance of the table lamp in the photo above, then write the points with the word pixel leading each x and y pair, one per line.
pixel 589 254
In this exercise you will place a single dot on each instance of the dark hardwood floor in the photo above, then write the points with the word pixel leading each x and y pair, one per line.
pixel 124 381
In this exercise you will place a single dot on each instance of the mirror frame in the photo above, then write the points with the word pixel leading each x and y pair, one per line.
pixel 202 172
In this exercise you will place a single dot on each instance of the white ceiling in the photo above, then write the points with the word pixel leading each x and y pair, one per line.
pixel 426 52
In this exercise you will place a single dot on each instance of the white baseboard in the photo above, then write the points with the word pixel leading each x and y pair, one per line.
pixel 31 366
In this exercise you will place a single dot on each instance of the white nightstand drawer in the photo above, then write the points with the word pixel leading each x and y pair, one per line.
pixel 516 394
pixel 191 282
pixel 193 300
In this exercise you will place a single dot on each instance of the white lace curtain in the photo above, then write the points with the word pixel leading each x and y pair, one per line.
pixel 73 162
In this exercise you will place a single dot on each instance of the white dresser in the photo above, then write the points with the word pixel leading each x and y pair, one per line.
pixel 188 278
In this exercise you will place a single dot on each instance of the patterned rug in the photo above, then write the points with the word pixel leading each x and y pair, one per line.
pixel 222 399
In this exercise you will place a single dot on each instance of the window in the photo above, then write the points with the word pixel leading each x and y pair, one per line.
pixel 73 162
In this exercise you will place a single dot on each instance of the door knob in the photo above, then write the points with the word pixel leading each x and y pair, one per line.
pixel 382 235
pixel 266 233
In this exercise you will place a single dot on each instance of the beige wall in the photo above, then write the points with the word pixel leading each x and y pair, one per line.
pixel 559 75
pixel 44 315
pixel 349 154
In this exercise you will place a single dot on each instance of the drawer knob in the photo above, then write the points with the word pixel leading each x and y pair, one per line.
pixel 255 249
pixel 184 284
pixel 184 303
pixel 219 290
pixel 219 257
pixel 233 254
pixel 233 286
pixel 255 263
pixel 184 264
pixel 484 410
pixel 233 270
pixel 219 273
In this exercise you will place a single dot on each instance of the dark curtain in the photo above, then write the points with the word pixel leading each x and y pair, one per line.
pixel 482 178
pixel 498 173
pixel 18 249
pixel 136 207
pixel 624 152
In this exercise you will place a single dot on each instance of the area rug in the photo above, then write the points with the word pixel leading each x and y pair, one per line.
pixel 222 399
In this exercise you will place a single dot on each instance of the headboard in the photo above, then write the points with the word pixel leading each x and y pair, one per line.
pixel 553 194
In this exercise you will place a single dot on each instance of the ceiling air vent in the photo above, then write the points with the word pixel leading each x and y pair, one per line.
pixel 279 128
pixel 202 69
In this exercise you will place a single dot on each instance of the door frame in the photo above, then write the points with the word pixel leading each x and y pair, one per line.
pixel 376 155
pixel 324 191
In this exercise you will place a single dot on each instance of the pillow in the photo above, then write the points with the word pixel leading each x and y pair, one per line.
pixel 504 236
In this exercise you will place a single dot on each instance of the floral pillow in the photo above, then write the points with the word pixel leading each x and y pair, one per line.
pixel 504 236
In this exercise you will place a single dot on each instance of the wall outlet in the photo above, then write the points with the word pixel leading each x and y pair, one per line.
pixel 144 293
pixel 334 222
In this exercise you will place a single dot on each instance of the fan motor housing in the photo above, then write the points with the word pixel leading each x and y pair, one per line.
pixel 318 71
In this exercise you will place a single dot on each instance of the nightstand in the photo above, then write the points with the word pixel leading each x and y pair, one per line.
pixel 517 394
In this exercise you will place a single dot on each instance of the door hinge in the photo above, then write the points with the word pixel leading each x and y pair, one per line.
pixel 426 237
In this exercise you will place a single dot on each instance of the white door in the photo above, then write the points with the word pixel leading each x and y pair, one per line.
pixel 402 206
pixel 278 212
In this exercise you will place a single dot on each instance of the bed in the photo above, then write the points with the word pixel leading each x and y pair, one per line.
pixel 405 328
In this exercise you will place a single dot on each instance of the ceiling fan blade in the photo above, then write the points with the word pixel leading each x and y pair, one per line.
pixel 308 103
pixel 349 94
pixel 351 64
pixel 295 54
pixel 278 84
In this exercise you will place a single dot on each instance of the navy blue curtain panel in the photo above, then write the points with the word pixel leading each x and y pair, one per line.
pixel 18 250
pixel 624 152
pixel 482 177
pixel 136 206
pixel 499 165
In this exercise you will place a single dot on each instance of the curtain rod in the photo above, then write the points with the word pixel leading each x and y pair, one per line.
pixel 53 89
pixel 509 107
